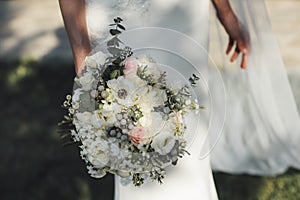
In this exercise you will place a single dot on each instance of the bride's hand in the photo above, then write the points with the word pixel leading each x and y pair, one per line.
pixel 239 38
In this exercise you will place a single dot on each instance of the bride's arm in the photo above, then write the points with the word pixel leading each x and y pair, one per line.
pixel 73 12
pixel 238 35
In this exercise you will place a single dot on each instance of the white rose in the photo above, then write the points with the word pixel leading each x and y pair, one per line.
pixel 169 125
pixel 157 97
pixel 152 124
pixel 152 98
pixel 100 119
pixel 152 66
pixel 96 120
pixel 82 119
pixel 154 70
pixel 86 81
pixel 164 142
pixel 98 153
pixel 95 60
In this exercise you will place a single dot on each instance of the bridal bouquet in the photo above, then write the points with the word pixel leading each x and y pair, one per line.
pixel 125 116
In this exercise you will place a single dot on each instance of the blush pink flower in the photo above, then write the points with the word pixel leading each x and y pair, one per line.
pixel 178 118
pixel 136 134
pixel 130 66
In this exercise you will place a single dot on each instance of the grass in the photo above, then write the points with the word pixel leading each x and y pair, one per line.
pixel 283 187
pixel 35 166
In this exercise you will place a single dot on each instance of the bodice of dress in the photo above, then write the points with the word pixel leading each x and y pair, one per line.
pixel 189 17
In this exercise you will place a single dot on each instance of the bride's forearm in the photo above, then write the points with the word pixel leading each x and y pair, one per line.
pixel 222 6
pixel 73 12
pixel 225 14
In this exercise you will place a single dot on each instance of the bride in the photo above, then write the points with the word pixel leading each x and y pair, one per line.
pixel 86 22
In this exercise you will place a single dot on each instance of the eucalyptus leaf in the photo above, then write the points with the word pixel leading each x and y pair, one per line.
pixel 121 27
pixel 196 77
pixel 113 50
pixel 114 42
pixel 120 19
pixel 114 31
pixel 117 61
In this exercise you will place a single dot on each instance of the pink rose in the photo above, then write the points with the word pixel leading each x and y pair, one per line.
pixel 130 66
pixel 178 118
pixel 136 134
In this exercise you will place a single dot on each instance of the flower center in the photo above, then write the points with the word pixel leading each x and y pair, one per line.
pixel 122 93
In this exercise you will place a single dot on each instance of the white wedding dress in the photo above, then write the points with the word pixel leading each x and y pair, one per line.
pixel 262 125
pixel 192 177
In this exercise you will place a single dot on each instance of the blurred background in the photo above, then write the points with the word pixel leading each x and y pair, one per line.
pixel 36 71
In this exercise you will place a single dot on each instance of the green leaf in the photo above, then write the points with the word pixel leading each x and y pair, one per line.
pixel 117 61
pixel 196 77
pixel 114 31
pixel 111 42
pixel 113 50
pixel 121 27
pixel 118 20
pixel 116 73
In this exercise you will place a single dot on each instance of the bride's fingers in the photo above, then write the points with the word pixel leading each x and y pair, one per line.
pixel 235 54
pixel 245 59
pixel 230 45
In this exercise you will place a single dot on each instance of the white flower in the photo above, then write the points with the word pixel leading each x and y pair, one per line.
pixel 164 142
pixel 115 149
pixel 99 133
pixel 86 134
pixel 97 120
pixel 140 92
pixel 76 96
pixel 170 125
pixel 102 118
pixel 112 107
pixel 157 96
pixel 98 153
pixel 82 119
pixel 122 90
pixel 152 66
pixel 86 81
pixel 75 135
pixel 99 173
pixel 95 60
pixel 152 124
pixel 153 98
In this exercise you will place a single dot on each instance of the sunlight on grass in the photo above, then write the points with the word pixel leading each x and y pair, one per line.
pixel 281 187
pixel 23 70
